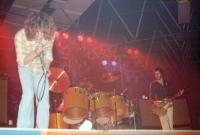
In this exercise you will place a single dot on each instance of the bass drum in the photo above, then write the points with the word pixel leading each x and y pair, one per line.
pixel 75 103
pixel 56 121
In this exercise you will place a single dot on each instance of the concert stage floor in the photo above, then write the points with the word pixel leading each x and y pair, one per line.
pixel 14 131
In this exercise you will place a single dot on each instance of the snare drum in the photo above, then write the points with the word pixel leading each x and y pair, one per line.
pixel 75 103
pixel 56 121
pixel 102 104
pixel 120 104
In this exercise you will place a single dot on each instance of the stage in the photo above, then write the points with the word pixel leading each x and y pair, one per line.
pixel 14 131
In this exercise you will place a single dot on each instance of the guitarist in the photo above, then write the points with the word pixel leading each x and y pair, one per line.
pixel 159 90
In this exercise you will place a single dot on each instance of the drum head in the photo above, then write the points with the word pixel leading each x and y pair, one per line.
pixel 70 121
pixel 102 120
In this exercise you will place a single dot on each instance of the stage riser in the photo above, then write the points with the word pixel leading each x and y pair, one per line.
pixel 93 132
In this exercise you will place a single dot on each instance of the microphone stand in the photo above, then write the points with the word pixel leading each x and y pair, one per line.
pixel 56 114
pixel 115 111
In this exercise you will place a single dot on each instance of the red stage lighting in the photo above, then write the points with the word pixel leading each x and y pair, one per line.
pixel 80 38
pixel 57 34
pixel 129 51
pixel 65 35
pixel 89 39
pixel 136 52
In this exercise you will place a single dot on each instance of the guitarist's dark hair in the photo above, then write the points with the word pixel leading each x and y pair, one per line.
pixel 160 70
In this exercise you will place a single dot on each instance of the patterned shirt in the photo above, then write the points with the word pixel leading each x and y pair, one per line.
pixel 23 47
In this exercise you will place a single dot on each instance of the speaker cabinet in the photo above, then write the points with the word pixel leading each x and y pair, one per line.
pixel 147 118
pixel 3 98
pixel 181 114
pixel 151 121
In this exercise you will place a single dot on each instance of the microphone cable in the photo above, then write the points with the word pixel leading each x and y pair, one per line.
pixel 41 94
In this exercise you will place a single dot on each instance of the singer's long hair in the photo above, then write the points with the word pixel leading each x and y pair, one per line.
pixel 39 21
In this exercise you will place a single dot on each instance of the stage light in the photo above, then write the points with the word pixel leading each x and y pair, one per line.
pixel 87 125
pixel 104 62
pixel 57 34
pixel 89 39
pixel 114 63
pixel 80 38
pixel 65 35
pixel 129 51
pixel 136 52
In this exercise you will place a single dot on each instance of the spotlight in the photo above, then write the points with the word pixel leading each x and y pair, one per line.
pixel 65 35
pixel 89 39
pixel 104 62
pixel 129 51
pixel 114 63
pixel 136 52
pixel 57 34
pixel 80 37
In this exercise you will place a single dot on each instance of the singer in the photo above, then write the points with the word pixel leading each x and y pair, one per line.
pixel 35 38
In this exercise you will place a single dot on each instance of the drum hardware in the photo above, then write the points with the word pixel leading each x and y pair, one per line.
pixel 116 125
pixel 56 114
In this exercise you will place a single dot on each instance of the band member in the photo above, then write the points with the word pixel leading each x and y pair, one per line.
pixel 35 38
pixel 159 90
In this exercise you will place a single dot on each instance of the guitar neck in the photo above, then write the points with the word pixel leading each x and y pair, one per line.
pixel 173 97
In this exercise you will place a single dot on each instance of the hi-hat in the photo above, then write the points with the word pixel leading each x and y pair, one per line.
pixel 110 77
pixel 58 80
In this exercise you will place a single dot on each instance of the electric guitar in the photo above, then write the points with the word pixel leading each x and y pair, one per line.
pixel 161 110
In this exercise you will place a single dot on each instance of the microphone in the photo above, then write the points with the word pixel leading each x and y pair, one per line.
pixel 124 91
pixel 42 60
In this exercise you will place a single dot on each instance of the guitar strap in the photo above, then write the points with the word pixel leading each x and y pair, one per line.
pixel 166 87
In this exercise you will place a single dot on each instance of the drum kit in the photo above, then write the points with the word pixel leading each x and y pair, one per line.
pixel 105 110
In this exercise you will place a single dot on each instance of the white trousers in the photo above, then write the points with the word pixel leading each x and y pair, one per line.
pixel 167 120
pixel 29 82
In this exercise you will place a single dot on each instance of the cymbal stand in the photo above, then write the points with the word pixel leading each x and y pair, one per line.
pixel 90 111
pixel 115 111
pixel 56 114
pixel 133 114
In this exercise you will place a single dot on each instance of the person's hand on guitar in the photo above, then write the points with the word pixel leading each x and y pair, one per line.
pixel 158 104
pixel 180 92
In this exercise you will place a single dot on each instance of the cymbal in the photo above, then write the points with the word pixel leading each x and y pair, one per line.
pixel 110 77
pixel 58 80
